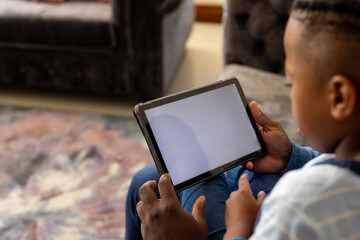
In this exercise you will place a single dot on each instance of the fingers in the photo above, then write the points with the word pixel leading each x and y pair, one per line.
pixel 245 185
pixel 260 198
pixel 147 196
pixel 243 181
pixel 146 192
pixel 249 166
pixel 166 189
pixel 140 210
pixel 198 211
pixel 260 118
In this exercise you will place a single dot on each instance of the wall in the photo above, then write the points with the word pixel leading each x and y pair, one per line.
pixel 209 2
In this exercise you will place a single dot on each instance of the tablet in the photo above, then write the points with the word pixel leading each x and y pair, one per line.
pixel 199 133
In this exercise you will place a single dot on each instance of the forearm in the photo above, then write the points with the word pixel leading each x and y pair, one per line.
pixel 299 157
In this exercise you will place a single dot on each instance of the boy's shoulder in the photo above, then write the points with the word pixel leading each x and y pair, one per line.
pixel 309 183
pixel 308 201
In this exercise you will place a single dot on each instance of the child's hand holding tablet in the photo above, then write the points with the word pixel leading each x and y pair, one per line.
pixel 199 133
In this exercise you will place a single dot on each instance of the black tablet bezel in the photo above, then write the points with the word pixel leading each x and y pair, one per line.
pixel 139 113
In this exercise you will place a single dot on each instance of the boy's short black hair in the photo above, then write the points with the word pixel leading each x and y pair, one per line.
pixel 339 6
pixel 342 14
pixel 331 27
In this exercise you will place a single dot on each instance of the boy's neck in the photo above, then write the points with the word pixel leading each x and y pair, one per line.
pixel 348 148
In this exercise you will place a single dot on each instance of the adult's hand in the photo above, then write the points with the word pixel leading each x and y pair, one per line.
pixel 277 143
pixel 241 210
pixel 165 218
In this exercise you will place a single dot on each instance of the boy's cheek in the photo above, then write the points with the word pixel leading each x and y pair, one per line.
pixel 299 119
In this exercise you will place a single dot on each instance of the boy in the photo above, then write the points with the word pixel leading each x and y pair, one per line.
pixel 322 44
pixel 320 201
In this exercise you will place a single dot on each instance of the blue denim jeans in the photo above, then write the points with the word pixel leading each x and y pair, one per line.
pixel 216 190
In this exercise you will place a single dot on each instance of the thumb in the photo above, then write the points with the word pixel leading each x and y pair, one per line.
pixel 260 118
pixel 260 198
pixel 249 166
pixel 198 211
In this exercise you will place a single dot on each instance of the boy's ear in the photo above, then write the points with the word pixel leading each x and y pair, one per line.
pixel 342 97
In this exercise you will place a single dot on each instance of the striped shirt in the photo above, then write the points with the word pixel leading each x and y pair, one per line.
pixel 319 201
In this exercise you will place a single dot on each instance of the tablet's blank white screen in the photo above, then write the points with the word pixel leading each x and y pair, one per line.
pixel 202 132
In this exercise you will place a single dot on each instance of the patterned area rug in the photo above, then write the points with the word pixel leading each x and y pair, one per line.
pixel 65 175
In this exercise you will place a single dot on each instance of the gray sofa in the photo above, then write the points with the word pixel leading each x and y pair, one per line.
pixel 253 33
pixel 128 48
pixel 254 53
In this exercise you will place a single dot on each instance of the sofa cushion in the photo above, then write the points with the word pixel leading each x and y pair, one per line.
pixel 281 7
pixel 70 25
pixel 53 1
pixel 253 33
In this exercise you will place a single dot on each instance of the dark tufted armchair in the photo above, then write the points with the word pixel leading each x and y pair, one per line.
pixel 126 48
pixel 254 53
pixel 253 33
